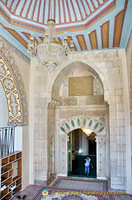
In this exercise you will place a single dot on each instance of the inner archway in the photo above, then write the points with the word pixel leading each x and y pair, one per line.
pixel 78 102
pixel 81 144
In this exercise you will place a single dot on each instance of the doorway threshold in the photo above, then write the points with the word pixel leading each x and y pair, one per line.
pixel 81 176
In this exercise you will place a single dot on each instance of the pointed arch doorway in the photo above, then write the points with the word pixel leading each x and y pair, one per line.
pixel 96 125
pixel 81 143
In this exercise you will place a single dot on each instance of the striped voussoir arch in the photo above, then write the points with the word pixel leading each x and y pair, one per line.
pixel 95 124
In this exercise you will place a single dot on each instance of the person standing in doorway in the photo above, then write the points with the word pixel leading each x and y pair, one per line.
pixel 87 166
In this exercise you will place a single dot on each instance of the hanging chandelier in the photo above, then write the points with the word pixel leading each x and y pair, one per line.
pixel 51 52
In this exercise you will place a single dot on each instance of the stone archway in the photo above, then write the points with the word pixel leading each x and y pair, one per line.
pixel 50 97
pixel 13 87
pixel 81 143
pixel 82 119
pixel 70 69
pixel 84 59
pixel 96 124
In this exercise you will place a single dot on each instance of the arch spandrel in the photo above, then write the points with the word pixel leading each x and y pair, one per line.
pixel 95 124
pixel 13 87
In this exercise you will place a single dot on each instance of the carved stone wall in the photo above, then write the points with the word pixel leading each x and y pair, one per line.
pixel 68 122
pixel 77 100
pixel 108 66
pixel 101 156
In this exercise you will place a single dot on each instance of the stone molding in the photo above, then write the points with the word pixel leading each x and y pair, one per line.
pixel 75 100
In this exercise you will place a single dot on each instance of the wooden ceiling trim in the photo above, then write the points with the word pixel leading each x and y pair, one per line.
pixel 49 6
pixel 59 11
pixel 93 40
pixel 84 8
pixel 88 6
pixel 54 9
pixel 23 8
pixel 16 6
pixel 64 12
pixel 34 9
pixel 74 10
pixel 17 36
pixel 10 4
pixel 93 4
pixel 79 9
pixel 105 34
pixel 28 36
pixel 81 41
pixel 69 13
pixel 38 10
pixel 42 38
pixel 119 19
pixel 69 39
pixel 28 9
pixel 98 2
pixel 44 11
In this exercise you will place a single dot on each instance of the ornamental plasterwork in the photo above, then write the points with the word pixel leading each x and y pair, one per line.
pixel 13 87
pixel 12 95
pixel 11 48
pixel 95 124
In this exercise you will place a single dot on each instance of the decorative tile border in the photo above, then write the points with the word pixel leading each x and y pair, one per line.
pixel 95 124
pixel 13 87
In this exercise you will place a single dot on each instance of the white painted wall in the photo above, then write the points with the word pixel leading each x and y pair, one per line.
pixel 18 139
pixel 3 108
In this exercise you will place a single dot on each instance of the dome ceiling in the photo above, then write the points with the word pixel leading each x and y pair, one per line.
pixel 91 24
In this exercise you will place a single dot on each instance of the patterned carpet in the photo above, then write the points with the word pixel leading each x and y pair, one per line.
pixel 83 184
pixel 56 191
pixel 55 194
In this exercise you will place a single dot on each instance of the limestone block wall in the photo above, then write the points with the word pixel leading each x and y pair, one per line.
pixel 51 140
pixel 117 125
pixel 129 116
pixel 40 111
pixel 109 66
pixel 101 156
